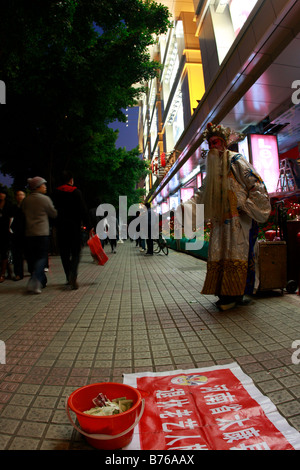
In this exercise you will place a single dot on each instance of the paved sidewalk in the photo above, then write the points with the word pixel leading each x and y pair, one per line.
pixel 134 314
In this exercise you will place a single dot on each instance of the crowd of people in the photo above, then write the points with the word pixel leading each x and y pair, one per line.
pixel 26 226
pixel 32 221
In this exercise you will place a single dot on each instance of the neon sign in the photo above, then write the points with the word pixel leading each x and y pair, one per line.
pixel 199 180
pixel 186 194
pixel 265 159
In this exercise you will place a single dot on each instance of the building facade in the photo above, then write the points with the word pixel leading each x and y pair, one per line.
pixel 231 62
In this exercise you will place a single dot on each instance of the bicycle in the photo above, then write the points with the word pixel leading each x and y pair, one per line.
pixel 160 245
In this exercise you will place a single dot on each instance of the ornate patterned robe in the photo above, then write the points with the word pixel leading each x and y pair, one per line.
pixel 230 264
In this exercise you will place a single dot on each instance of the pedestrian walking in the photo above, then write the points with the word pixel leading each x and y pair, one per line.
pixel 37 208
pixel 72 215
pixel 17 236
pixel 5 213
pixel 152 224
pixel 113 232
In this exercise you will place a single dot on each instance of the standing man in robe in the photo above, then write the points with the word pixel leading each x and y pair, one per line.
pixel 235 200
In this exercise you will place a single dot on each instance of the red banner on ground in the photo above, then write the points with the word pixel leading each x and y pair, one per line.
pixel 217 408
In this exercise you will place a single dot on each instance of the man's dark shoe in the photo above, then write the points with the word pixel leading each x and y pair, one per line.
pixel 245 302
pixel 73 283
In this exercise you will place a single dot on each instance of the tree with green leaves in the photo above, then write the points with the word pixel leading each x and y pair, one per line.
pixel 70 67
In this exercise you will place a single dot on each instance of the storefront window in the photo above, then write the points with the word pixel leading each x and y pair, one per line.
pixel 174 183
pixel 153 129
pixel 171 66
pixel 152 96
pixel 178 124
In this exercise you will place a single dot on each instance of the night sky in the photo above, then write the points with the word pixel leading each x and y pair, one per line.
pixel 128 133
pixel 128 137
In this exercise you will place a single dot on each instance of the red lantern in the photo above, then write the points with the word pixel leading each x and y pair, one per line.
pixel 163 159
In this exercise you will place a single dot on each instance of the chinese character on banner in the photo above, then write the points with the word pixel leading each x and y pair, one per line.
pixel 216 408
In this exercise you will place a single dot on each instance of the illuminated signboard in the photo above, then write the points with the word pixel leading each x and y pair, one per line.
pixel 199 180
pixel 239 12
pixel 265 159
pixel 165 207
pixel 186 194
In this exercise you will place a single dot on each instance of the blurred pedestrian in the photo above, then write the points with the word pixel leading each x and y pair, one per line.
pixel 37 208
pixel 113 232
pixel 4 233
pixel 152 224
pixel 17 235
pixel 72 215
pixel 140 242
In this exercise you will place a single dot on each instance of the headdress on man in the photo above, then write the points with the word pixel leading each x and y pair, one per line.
pixel 228 135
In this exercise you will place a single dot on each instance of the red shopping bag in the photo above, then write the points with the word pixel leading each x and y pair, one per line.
pixel 97 251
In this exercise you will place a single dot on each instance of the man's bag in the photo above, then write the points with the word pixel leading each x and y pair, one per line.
pixel 96 250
